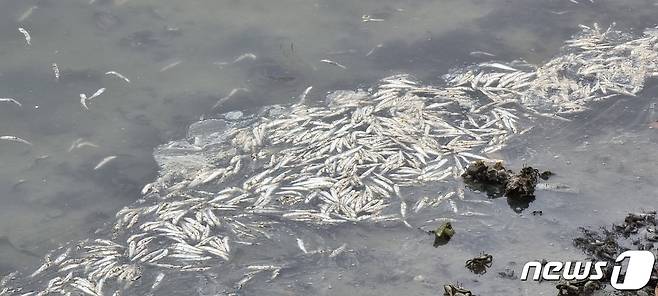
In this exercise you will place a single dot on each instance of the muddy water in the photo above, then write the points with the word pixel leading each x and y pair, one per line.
pixel 180 58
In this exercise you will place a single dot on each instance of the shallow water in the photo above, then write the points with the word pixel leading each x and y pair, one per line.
pixel 604 155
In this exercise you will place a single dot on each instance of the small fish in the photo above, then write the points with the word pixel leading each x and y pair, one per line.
pixel 55 71
pixel 15 139
pixel 104 162
pixel 80 143
pixel 300 244
pixel 118 75
pixel 171 65
pixel 28 38
pixel 245 56
pixel 11 100
pixel 367 18
pixel 498 66
pixel 99 92
pixel 231 94
pixel 83 101
pixel 374 48
pixel 26 14
pixel 157 281
pixel 302 97
pixel 558 12
pixel 330 62
pixel 481 54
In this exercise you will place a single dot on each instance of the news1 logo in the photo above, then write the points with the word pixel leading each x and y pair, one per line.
pixel 637 275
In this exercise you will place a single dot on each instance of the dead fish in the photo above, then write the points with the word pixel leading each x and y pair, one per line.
pixel 558 12
pixel 26 34
pixel 374 48
pixel 481 54
pixel 99 92
pixel 11 100
pixel 231 94
pixel 55 71
pixel 26 14
pixel 15 139
pixel 245 56
pixel 104 162
pixel 367 18
pixel 84 98
pixel 330 62
pixel 498 66
pixel 80 143
pixel 300 244
pixel 302 97
pixel 171 65
pixel 83 101
pixel 118 75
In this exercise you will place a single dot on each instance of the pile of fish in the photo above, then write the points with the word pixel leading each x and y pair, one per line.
pixel 360 158
pixel 597 64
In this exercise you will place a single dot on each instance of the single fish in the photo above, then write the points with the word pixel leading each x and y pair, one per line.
pixel 11 100
pixel 83 101
pixel 118 75
pixel 245 56
pixel 170 66
pixel 26 34
pixel 498 66
pixel 104 162
pixel 302 97
pixel 15 139
pixel 97 93
pixel 26 14
pixel 330 62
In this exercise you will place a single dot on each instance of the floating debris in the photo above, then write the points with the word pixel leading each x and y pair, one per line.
pixel 479 264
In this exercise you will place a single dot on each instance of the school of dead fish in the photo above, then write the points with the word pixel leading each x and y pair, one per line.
pixel 351 160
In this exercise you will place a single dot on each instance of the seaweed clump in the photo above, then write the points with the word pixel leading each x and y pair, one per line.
pixel 455 290
pixel 637 232
pixel 443 234
pixel 497 181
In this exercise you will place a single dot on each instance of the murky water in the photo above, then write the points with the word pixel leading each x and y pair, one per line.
pixel 179 56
